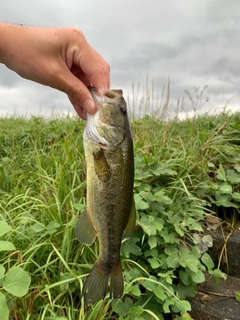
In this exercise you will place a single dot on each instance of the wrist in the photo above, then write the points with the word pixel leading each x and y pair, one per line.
pixel 9 37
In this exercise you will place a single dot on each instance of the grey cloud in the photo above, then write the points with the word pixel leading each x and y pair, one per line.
pixel 8 78
pixel 195 43
pixel 225 68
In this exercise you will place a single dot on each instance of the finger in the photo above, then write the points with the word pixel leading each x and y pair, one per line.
pixel 80 111
pixel 101 80
pixel 94 67
pixel 77 91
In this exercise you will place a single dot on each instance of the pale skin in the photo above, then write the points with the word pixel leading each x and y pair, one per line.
pixel 60 58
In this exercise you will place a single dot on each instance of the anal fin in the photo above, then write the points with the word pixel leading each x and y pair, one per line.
pixel 131 222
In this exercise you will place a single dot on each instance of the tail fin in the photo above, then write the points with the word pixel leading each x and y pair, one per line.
pixel 116 282
pixel 95 286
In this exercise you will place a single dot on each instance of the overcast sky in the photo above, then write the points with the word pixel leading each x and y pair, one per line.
pixel 194 43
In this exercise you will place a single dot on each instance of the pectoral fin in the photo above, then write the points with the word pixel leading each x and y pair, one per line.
pixel 84 230
pixel 101 166
pixel 131 222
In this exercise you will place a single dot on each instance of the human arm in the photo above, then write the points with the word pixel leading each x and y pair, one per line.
pixel 57 57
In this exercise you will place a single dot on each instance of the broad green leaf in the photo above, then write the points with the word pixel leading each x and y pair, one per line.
pixel 122 308
pixel 142 175
pixel 135 313
pixel 146 223
pixel 139 203
pixel 195 253
pixel 192 224
pixel 237 168
pixel 154 263
pixel 172 259
pixel 130 247
pixel 217 274
pixel 236 196
pixel 6 245
pixel 158 223
pixel 233 176
pixel 168 302
pixel 162 198
pixel 210 165
pixel 185 292
pixel 17 282
pixel 152 241
pixel 53 225
pixel 198 277
pixel 237 296
pixel 2 271
pixel 4 228
pixel 169 237
pixel 38 227
pixel 147 196
pixel 221 197
pixel 186 316
pixel 162 170
pixel 134 290
pixel 207 260
pixel 225 188
pixel 221 173
pixel 4 311
pixel 79 206
pixel 179 230
pixel 158 291
pixel 224 200
pixel 188 259
pixel 184 277
pixel 181 306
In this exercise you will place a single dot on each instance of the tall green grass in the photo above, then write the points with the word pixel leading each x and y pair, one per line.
pixel 182 168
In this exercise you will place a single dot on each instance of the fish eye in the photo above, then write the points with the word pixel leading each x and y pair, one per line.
pixel 123 109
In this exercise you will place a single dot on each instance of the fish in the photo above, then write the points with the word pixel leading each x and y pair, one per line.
pixel 110 213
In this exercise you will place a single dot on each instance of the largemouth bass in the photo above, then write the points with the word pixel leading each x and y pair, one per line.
pixel 110 210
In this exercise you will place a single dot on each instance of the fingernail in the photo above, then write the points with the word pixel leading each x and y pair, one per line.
pixel 89 106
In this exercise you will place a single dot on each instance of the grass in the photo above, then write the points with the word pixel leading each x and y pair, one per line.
pixel 42 191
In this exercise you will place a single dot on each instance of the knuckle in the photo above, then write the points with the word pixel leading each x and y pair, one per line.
pixel 76 93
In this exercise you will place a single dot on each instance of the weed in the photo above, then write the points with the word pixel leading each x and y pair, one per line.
pixel 185 172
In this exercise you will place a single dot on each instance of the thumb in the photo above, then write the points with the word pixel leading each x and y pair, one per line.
pixel 77 92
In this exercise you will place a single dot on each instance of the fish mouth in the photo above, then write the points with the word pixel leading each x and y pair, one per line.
pixel 105 95
pixel 95 121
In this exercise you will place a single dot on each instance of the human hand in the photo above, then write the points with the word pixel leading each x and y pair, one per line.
pixel 57 57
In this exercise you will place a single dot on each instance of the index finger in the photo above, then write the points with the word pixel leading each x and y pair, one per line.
pixel 101 77
pixel 94 67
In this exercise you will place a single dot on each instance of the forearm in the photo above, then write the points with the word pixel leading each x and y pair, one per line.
pixel 4 35
pixel 24 50
pixel 9 42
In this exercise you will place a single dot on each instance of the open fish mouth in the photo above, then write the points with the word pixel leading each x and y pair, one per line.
pixel 102 95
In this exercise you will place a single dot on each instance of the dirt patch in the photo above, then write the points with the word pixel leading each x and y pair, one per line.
pixel 217 302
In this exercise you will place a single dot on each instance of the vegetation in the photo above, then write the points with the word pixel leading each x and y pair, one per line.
pixel 185 173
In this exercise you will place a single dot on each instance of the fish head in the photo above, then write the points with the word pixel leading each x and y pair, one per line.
pixel 109 125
